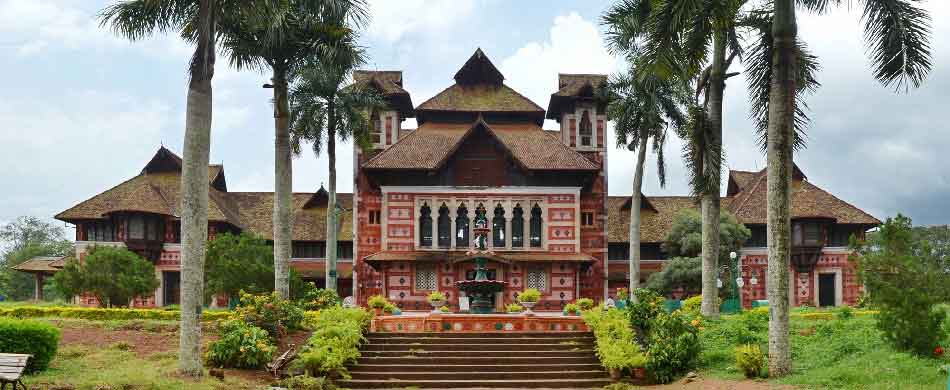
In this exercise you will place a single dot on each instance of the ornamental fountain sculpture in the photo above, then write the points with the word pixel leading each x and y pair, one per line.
pixel 481 290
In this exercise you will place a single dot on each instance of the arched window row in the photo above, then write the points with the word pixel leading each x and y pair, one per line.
pixel 516 226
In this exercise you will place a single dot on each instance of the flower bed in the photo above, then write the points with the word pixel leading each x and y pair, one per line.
pixel 103 314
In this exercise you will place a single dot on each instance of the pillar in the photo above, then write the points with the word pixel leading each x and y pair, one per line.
pixel 38 286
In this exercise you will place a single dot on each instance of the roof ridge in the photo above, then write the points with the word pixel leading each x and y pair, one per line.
pixel 434 96
pixel 748 194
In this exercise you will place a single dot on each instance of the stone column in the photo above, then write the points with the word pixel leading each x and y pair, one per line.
pixel 38 286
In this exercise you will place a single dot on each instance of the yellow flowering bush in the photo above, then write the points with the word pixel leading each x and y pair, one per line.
pixel 616 343
pixel 103 314
pixel 240 345
pixel 337 335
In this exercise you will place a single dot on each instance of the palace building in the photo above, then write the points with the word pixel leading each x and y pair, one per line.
pixel 479 151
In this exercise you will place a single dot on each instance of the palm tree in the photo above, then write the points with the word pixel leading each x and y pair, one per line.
pixel 322 110
pixel 303 30
pixel 897 33
pixel 195 21
pixel 644 108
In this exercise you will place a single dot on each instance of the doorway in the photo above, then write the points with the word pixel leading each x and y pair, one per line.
pixel 171 287
pixel 826 289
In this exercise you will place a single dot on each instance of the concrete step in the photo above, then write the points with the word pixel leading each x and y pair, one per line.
pixel 456 359
pixel 486 375
pixel 506 335
pixel 475 383
pixel 476 347
pixel 479 340
pixel 471 368
pixel 508 353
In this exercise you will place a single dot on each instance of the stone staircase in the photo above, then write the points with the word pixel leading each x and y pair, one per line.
pixel 478 360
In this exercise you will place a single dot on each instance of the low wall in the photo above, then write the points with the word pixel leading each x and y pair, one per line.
pixel 477 323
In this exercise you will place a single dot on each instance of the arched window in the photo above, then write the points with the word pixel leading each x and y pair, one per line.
pixel 498 227
pixel 517 227
pixel 536 226
pixel 445 227
pixel 461 227
pixel 586 130
pixel 425 226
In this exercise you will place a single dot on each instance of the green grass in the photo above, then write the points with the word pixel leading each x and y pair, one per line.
pixel 836 354
pixel 93 368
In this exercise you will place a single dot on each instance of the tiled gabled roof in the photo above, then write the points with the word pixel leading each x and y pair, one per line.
pixel 389 84
pixel 572 87
pixel 310 224
pixel 654 225
pixel 43 264
pixel 432 144
pixel 480 98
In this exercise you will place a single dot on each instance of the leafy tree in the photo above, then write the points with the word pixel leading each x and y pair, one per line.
pixel 113 275
pixel 322 110
pixel 906 275
pixel 305 29
pixel 643 109
pixel 197 21
pixel 22 240
pixel 684 243
pixel 897 33
pixel 239 262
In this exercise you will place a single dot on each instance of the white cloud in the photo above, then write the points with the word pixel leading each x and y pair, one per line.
pixel 394 19
pixel 575 45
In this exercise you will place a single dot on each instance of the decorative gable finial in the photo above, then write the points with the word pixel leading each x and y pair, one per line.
pixel 479 70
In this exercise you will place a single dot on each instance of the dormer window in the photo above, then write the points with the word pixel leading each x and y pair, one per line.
pixel 586 129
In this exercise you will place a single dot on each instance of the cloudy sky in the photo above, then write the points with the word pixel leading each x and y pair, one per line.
pixel 82 110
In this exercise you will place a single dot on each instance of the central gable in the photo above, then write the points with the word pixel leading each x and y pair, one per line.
pixel 482 160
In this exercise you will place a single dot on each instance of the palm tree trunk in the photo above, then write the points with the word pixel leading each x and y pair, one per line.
pixel 283 186
pixel 194 193
pixel 331 204
pixel 635 220
pixel 780 141
pixel 710 198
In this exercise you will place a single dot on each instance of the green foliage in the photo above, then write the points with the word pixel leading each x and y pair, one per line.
pixel 750 360
pixel 390 308
pixel 29 337
pixel 240 345
pixel 270 313
pixel 25 239
pixel 436 296
pixel 584 304
pixel 113 275
pixel 649 305
pixel 529 295
pixel 616 342
pixel 748 327
pixel 102 314
pixel 377 301
pixel 679 273
pixel 514 308
pixel 239 262
pixel 571 308
pixel 692 304
pixel 674 346
pixel 313 298
pixel 303 382
pixel 905 278
pixel 337 334
pixel 845 313
pixel 623 294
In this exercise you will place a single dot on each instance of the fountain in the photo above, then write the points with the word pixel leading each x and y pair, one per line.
pixel 481 289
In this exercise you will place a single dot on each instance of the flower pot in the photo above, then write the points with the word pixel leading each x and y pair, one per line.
pixel 639 372
pixel 436 305
pixel 527 307
pixel 378 311
pixel 621 304
pixel 615 374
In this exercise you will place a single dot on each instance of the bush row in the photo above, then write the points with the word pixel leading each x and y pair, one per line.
pixel 102 314
pixel 337 335
pixel 616 342
pixel 29 337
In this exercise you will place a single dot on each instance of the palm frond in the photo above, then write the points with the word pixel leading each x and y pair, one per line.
pixel 138 19
pixel 701 156
pixel 897 33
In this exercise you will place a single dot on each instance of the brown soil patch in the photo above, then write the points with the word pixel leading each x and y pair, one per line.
pixel 141 342
pixel 719 384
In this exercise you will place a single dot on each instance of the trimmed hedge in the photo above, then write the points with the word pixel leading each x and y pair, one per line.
pixel 102 314
pixel 29 337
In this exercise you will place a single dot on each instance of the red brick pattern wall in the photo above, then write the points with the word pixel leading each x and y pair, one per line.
pixel 802 285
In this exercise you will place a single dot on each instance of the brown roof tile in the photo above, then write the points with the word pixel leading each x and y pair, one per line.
pixel 429 146
pixel 654 225
pixel 257 208
pixel 41 264
pixel 480 98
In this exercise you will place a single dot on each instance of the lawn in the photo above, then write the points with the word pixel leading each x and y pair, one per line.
pixel 838 353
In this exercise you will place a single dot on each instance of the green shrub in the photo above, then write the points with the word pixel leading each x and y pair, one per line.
pixel 313 298
pixel 750 360
pixel 748 327
pixel 113 275
pixel 692 304
pixel 377 302
pixel 615 340
pixel 436 296
pixel 390 308
pixel 270 312
pixel 303 382
pixel 29 337
pixel 240 345
pixel 649 305
pixel 623 294
pixel 514 308
pixel 845 313
pixel 102 314
pixel 337 334
pixel 584 304
pixel 571 308
pixel 674 346
pixel 529 295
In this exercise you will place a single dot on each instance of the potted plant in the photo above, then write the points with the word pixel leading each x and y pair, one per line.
pixel 377 303
pixel 528 298
pixel 623 295
pixel 585 304
pixel 444 309
pixel 571 309
pixel 514 308
pixel 437 300
pixel 391 309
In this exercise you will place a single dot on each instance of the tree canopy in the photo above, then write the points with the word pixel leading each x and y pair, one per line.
pixel 24 239
pixel 113 275
pixel 239 262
